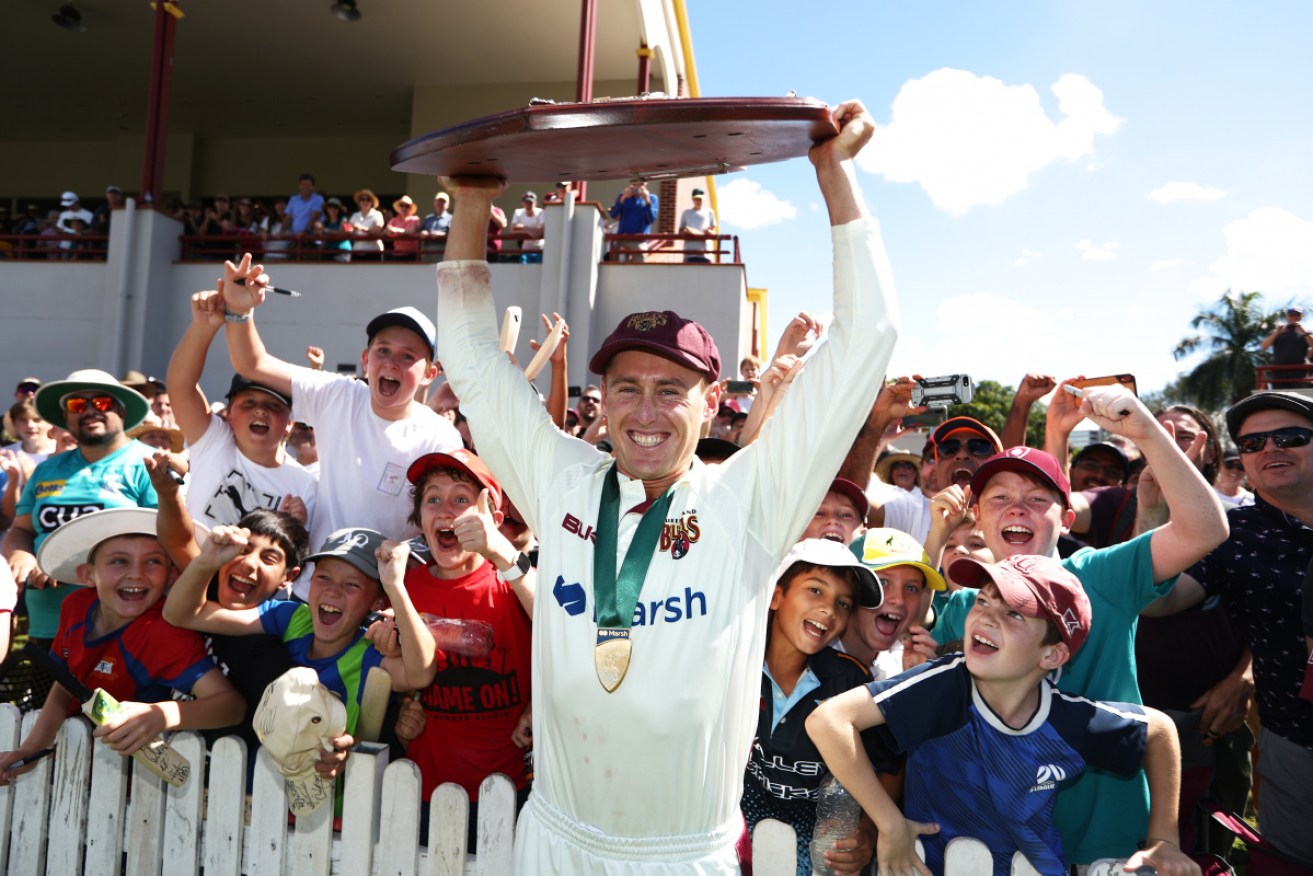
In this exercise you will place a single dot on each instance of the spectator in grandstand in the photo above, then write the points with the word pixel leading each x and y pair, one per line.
pixel 635 209
pixel 403 228
pixel 496 223
pixel 433 229
pixel 1290 345
pixel 336 245
pixel 100 216
pixel 366 226
pixel 699 223
pixel 530 220
pixel 274 229
pixel 305 207
pixel 72 211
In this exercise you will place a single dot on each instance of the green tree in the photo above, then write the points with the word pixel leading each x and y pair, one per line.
pixel 990 405
pixel 1229 332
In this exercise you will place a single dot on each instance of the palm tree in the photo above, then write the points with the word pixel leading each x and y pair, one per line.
pixel 1230 331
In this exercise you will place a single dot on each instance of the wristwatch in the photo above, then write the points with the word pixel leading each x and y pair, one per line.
pixel 518 569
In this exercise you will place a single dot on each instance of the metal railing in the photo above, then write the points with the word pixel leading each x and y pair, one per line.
pixel 54 247
pixel 721 249
pixel 1283 376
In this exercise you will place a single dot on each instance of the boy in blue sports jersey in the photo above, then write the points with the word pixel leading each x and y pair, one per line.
pixel 112 636
pixel 354 571
pixel 990 740
pixel 817 588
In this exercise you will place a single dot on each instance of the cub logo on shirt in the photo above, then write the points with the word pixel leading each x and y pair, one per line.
pixel 681 535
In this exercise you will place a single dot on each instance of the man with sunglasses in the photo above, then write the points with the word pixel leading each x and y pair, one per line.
pixel 1258 573
pixel 104 471
pixel 961 444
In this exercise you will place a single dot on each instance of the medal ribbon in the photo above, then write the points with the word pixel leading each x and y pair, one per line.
pixel 617 597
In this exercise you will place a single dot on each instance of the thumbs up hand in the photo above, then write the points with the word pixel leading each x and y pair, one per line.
pixel 477 531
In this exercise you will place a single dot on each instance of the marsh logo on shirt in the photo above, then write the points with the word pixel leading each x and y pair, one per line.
pixel 681 535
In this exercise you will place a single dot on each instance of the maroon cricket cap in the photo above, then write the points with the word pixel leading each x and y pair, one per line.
pixel 666 334
pixel 853 493
pixel 1027 461
pixel 1036 586
pixel 461 460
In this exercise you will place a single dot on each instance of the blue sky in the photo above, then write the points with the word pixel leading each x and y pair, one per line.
pixel 1060 184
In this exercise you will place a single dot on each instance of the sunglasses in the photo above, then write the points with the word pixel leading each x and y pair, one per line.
pixel 592 398
pixel 1285 438
pixel 78 404
pixel 981 447
pixel 1233 465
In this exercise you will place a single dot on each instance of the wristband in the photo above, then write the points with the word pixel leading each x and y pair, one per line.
pixel 518 569
pixel 236 317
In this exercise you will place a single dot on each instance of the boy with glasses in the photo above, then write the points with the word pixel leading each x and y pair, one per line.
pixel 105 471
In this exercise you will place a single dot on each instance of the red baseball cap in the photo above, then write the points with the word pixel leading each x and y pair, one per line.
pixel 666 334
pixel 1027 461
pixel 461 460
pixel 1036 586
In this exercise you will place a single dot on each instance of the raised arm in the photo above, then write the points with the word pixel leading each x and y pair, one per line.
pixel 249 357
pixel 190 407
pixel 417 664
pixel 1197 523
pixel 1162 768
pixel 186 605
pixel 1032 388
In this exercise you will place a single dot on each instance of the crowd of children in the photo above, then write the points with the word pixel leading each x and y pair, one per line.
pixel 955 675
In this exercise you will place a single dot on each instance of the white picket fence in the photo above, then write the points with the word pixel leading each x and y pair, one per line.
pixel 86 810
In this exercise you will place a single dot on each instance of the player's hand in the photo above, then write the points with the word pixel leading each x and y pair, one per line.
pixel 331 760
pixel 207 310
pixel 800 335
pixel 315 356
pixel 295 506
pixel 242 299
pixel 522 735
pixel 224 544
pixel 384 636
pixel 855 129
pixel 392 556
pixel 1034 387
pixel 1165 858
pixel 135 725
pixel 489 187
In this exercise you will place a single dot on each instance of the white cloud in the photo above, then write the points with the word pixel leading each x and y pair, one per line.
pixel 995 335
pixel 1168 264
pixel 1092 253
pixel 1027 257
pixel 745 204
pixel 1185 191
pixel 971 140
pixel 1269 251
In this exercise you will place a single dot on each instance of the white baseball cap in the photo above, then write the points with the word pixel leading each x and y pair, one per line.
pixel 296 719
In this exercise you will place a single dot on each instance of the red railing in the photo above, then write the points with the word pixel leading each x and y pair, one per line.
pixel 1283 377
pixel 54 247
pixel 660 249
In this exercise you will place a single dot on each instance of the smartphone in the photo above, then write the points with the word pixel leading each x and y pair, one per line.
pixel 1126 380
pixel 928 420
pixel 739 387
pixel 942 392
pixel 574 391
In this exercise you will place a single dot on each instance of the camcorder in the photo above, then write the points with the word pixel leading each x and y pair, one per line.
pixel 942 392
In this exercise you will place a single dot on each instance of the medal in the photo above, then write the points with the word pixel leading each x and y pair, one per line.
pixel 611 657
pixel 617 595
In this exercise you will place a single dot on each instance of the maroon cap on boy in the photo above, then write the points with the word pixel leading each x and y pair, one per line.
pixel 664 333
pixel 854 494
pixel 1027 461
pixel 1036 586
pixel 461 460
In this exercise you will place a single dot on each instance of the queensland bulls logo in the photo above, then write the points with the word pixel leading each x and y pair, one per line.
pixel 680 536
pixel 645 322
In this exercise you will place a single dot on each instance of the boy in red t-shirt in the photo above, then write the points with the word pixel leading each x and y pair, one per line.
pixel 473 707
pixel 112 636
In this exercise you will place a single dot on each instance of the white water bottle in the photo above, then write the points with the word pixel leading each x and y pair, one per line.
pixel 837 814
